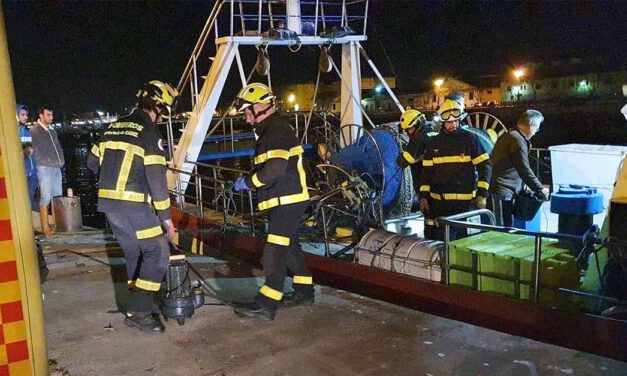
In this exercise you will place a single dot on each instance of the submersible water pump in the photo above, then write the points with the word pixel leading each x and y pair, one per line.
pixel 181 299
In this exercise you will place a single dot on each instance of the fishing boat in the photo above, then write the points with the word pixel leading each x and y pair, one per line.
pixel 360 234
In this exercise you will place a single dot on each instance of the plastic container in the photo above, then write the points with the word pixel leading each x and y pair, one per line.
pixel 587 165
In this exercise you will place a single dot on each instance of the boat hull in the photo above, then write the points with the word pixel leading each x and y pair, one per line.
pixel 568 328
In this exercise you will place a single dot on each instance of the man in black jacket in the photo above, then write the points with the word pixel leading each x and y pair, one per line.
pixel 281 184
pixel 510 167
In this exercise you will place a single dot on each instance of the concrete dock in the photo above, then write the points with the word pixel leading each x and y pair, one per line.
pixel 341 334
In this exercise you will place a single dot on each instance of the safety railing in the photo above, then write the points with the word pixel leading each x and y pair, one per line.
pixel 305 17
pixel 458 221
pixel 212 189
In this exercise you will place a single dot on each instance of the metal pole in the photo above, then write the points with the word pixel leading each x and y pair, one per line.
pixel 365 17
pixel 259 18
pixel 327 251
pixel 380 77
pixel 252 212
pixel 195 171
pixel 537 259
pixel 296 123
pixel 195 85
pixel 241 17
pixel 445 257
pixel 231 19
pixel 232 135
pixel 316 19
pixel 202 207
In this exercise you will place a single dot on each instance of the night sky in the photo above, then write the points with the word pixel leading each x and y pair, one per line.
pixel 87 56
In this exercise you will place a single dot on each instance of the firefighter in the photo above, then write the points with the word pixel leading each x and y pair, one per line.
pixel 281 184
pixel 448 185
pixel 419 131
pixel 131 163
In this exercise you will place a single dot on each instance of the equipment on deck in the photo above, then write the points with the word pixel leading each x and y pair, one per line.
pixel 181 299
pixel 67 213
pixel 576 206
pixel 401 254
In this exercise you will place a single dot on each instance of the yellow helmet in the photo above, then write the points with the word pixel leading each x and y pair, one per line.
pixel 252 94
pixel 160 92
pixel 451 110
pixel 410 118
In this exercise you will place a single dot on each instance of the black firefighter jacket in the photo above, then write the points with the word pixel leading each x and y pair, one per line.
pixel 415 150
pixel 131 163
pixel 278 175
pixel 449 166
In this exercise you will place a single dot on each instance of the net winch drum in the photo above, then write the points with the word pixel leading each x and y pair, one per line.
pixel 401 254
pixel 181 299
pixel 67 213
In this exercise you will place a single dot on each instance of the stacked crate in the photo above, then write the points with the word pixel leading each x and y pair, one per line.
pixel 502 263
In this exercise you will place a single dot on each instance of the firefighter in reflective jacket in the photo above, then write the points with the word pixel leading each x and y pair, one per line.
pixel 449 184
pixel 281 185
pixel 419 131
pixel 131 164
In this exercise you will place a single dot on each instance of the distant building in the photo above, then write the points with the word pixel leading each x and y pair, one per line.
pixel 300 97
pixel 574 78
pixel 488 93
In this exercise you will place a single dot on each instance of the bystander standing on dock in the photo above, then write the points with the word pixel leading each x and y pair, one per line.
pixel 50 160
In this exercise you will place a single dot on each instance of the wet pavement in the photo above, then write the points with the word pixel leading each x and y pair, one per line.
pixel 341 334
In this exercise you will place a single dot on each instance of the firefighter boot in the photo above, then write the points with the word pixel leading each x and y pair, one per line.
pixel 45 227
pixel 297 298
pixel 254 310
pixel 147 323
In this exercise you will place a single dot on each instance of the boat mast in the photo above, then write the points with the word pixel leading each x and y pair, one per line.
pixel 327 22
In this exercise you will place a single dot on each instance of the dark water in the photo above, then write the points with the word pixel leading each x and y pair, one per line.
pixel 598 123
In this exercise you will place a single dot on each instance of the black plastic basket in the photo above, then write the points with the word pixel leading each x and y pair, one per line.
pixel 526 206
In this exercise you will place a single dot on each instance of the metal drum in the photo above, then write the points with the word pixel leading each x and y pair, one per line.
pixel 67 213
pixel 401 254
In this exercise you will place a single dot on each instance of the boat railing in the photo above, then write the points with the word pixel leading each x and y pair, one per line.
pixel 459 221
pixel 213 189
pixel 306 17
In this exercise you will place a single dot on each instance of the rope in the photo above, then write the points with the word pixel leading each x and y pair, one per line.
pixel 312 108
pixel 352 95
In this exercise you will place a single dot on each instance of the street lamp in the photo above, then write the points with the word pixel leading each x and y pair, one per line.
pixel 437 83
pixel 519 73
pixel 296 107
pixel 291 98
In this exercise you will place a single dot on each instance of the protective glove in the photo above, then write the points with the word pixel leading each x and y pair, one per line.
pixel 240 184
pixel 481 202
pixel 170 229
pixel 424 205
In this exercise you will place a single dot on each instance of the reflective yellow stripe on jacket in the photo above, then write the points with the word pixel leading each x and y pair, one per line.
pixel 279 153
pixel 452 196
pixel 294 198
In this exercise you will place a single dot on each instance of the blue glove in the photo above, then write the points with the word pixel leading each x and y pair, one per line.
pixel 240 184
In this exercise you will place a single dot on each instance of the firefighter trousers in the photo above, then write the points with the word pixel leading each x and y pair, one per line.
pixel 146 251
pixel 443 208
pixel 281 253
